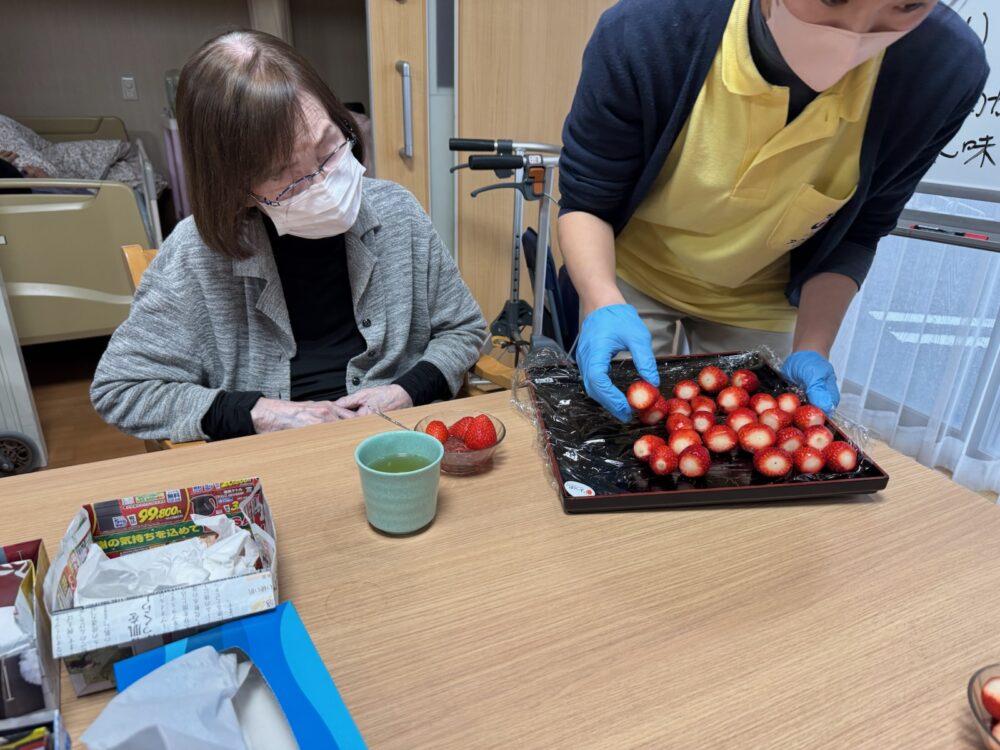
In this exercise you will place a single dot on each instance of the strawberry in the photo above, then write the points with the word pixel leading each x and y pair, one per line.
pixel 776 419
pixel 686 390
pixel 481 434
pixel 773 462
pixel 712 379
pixel 678 406
pixel 720 439
pixel 455 445
pixel 458 429
pixel 703 403
pixel 438 429
pixel 702 420
pixel 746 380
pixel 655 413
pixel 991 697
pixel 644 447
pixel 756 437
pixel 761 402
pixel 818 437
pixel 789 402
pixel 641 395
pixel 694 461
pixel 677 422
pixel 791 439
pixel 682 439
pixel 663 461
pixel 808 460
pixel 740 418
pixel 840 457
pixel 732 398
pixel 808 415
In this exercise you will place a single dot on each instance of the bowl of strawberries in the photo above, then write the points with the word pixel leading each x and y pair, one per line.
pixel 470 439
pixel 984 700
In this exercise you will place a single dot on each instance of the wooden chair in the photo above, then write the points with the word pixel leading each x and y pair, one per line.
pixel 137 260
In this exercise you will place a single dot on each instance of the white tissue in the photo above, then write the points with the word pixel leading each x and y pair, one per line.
pixel 184 705
pixel 191 561
pixel 12 636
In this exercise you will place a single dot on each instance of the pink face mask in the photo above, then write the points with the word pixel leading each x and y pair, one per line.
pixel 822 55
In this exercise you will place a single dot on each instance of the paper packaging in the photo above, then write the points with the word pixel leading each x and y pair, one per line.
pixel 23 567
pixel 90 639
pixel 288 699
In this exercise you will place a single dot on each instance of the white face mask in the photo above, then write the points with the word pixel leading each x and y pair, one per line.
pixel 324 209
pixel 822 55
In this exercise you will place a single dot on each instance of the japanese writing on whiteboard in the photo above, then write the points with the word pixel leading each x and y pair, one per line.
pixel 976 146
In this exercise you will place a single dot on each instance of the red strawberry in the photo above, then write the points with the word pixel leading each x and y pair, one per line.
pixel 481 433
pixel 703 403
pixel 808 415
pixel 712 379
pixel 655 413
pixel 808 460
pixel 438 429
pixel 458 429
pixel 678 406
pixel 644 447
pixel 773 462
pixel 789 402
pixel 740 418
pixel 732 398
pixel 694 461
pixel 991 697
pixel 776 419
pixel 818 437
pixel 663 461
pixel 756 437
pixel 682 439
pixel 686 390
pixel 761 402
pixel 746 380
pixel 455 445
pixel 720 439
pixel 677 422
pixel 641 395
pixel 791 439
pixel 702 420
pixel 841 457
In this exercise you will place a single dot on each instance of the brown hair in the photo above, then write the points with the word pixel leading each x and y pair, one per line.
pixel 239 113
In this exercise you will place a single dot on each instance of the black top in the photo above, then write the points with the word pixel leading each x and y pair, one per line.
pixel 772 66
pixel 317 289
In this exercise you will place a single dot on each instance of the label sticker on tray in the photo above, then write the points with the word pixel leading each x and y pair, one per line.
pixel 578 489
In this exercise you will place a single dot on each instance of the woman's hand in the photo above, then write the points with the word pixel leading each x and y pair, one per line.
pixel 381 398
pixel 812 371
pixel 272 415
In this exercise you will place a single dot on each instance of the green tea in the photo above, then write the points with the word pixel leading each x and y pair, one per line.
pixel 399 463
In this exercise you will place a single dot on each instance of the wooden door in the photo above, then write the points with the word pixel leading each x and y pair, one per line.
pixel 518 66
pixel 397 48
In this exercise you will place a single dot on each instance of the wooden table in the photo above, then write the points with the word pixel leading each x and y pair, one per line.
pixel 508 624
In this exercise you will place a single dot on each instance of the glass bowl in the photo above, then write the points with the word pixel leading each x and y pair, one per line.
pixel 984 721
pixel 464 462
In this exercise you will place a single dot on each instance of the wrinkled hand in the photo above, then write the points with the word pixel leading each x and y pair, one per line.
pixel 272 415
pixel 812 371
pixel 381 398
pixel 604 333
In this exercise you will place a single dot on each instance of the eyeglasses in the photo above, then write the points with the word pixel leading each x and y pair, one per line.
pixel 304 183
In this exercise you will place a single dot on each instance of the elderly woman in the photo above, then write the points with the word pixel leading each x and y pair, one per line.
pixel 299 292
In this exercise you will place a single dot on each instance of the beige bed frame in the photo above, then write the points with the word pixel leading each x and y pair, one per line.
pixel 60 255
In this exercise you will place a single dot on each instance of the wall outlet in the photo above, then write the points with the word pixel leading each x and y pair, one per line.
pixel 129 90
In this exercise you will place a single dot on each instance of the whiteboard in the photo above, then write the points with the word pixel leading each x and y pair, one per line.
pixel 970 165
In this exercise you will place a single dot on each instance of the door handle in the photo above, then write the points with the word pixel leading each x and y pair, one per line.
pixel 403 68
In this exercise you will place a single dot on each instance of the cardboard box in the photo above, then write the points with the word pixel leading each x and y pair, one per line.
pixel 288 701
pixel 91 639
pixel 29 714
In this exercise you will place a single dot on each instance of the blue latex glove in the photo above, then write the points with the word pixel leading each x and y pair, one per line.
pixel 606 332
pixel 813 372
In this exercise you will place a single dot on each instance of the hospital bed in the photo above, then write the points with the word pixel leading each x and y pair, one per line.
pixel 60 246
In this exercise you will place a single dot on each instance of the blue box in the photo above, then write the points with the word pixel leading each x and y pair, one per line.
pixel 279 646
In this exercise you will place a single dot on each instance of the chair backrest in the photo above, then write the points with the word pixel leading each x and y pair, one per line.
pixel 137 260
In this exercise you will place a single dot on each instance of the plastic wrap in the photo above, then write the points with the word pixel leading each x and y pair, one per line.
pixel 589 453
